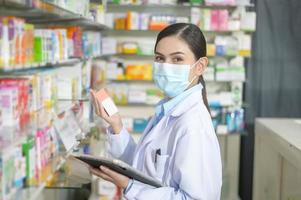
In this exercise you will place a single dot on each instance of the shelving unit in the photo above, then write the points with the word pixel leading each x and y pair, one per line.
pixel 138 7
pixel 216 84
pixel 42 15
pixel 229 140
pixel 46 13
pixel 37 67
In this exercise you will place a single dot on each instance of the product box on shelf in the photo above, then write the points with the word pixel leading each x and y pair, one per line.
pixel 138 72
pixel 29 151
pixel 74 35
pixel 98 12
pixel 109 46
pixel 12 170
pixel 1 43
pixel 119 93
pixel 220 2
pixel 12 40
pixel 70 82
pixel 8 102
pixel 20 89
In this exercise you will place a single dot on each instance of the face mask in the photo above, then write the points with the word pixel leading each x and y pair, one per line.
pixel 172 79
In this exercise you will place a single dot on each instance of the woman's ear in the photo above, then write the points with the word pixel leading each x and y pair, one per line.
pixel 201 65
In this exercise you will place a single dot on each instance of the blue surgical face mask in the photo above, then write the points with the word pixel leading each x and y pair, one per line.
pixel 172 79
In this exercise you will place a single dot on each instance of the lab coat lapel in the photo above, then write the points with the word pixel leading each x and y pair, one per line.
pixel 147 129
pixel 151 132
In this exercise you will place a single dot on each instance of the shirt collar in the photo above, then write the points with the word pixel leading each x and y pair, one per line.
pixel 167 105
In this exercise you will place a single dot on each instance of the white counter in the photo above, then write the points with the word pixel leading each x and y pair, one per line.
pixel 277 164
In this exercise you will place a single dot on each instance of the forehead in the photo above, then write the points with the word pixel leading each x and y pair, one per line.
pixel 172 44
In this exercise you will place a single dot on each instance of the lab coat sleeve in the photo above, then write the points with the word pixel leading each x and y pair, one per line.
pixel 121 146
pixel 192 172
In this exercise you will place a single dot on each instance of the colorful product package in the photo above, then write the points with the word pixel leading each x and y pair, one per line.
pixel 138 72
pixel 1 44
pixel 38 46
pixel 8 102
pixel 106 101
pixel 22 86
pixel 29 152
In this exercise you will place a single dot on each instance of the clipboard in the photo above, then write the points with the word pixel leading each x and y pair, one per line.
pixel 120 167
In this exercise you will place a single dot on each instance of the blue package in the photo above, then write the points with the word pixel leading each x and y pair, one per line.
pixel 139 125
pixel 230 121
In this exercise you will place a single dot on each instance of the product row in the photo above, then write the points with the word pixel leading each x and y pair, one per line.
pixel 22 98
pixel 125 94
pixel 79 7
pixel 206 19
pixel 31 156
pixel 22 45
pixel 227 120
pixel 33 159
pixel 224 70
pixel 174 2
pixel 123 71
pixel 142 94
pixel 219 69
pixel 22 164
pixel 223 20
pixel 235 45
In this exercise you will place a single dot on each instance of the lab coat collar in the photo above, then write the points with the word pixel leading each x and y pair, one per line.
pixel 188 102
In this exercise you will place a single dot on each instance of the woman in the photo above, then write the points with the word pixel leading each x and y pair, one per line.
pixel 179 146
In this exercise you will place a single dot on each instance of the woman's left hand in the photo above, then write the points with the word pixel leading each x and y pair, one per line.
pixel 112 176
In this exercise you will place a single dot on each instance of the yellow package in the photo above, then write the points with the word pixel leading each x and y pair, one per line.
pixel 139 72
pixel 211 50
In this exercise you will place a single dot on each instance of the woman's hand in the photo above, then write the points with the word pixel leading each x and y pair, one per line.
pixel 112 176
pixel 114 120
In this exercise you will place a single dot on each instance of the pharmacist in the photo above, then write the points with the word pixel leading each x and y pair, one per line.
pixel 179 146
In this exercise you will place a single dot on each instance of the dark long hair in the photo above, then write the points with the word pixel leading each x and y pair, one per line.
pixel 195 40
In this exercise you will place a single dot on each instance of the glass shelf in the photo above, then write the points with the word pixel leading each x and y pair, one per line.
pixel 46 13
pixel 42 66
pixel 144 7
pixel 154 33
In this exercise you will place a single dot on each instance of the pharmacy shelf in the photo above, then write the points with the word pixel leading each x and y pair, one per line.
pixel 34 192
pixel 46 13
pixel 35 189
pixel 182 11
pixel 154 33
pixel 151 57
pixel 156 7
pixel 41 66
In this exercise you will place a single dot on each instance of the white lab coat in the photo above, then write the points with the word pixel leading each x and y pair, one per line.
pixel 190 161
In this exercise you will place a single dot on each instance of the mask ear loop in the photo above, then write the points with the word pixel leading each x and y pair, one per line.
pixel 192 66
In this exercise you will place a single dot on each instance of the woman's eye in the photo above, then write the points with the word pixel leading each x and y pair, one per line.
pixel 177 59
pixel 159 59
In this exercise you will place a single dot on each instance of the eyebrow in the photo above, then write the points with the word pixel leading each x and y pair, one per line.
pixel 174 53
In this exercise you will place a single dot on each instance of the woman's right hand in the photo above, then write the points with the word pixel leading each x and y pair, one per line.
pixel 114 120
